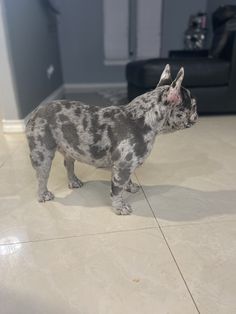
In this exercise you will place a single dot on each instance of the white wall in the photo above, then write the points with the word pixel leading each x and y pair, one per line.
pixel 8 99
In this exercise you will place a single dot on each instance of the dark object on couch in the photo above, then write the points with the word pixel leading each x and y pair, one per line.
pixel 210 75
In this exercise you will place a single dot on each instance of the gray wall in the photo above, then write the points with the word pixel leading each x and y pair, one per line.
pixel 34 44
pixel 175 20
pixel 33 47
pixel 81 37
pixel 81 43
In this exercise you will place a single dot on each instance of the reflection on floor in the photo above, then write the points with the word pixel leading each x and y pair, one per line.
pixel 175 254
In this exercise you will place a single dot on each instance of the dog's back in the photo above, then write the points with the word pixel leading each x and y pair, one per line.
pixel 87 133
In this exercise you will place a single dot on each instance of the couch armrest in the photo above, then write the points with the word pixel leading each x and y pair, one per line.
pixel 188 53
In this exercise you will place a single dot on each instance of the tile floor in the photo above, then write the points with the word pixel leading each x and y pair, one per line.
pixel 175 254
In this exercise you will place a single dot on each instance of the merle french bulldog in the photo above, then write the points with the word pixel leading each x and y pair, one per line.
pixel 120 138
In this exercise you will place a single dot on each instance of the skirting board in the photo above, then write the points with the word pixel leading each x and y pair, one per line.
pixel 18 126
pixel 13 126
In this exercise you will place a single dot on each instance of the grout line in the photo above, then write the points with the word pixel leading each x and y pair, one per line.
pixel 168 246
pixel 77 236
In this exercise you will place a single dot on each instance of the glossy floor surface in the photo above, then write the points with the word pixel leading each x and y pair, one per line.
pixel 175 254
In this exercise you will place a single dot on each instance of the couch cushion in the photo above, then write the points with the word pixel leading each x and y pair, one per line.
pixel 201 72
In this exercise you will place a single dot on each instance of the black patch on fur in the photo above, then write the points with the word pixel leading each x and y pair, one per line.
pixel 102 127
pixel 41 157
pixel 70 134
pixel 144 99
pixel 95 129
pixel 31 142
pixel 140 147
pixel 116 155
pixel 186 99
pixel 97 152
pixel 48 139
pixel 129 156
pixel 111 135
pixel 124 175
pixel 115 189
pixel 63 118
pixel 68 105
pixel 107 114
pixel 141 124
pixel 85 123
pixel 77 111
pixel 160 96
pixel 34 162
pixel 97 136
pixel 40 139
pixel 93 109
pixel 57 107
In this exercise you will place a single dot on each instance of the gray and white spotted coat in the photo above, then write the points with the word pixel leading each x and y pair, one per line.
pixel 120 138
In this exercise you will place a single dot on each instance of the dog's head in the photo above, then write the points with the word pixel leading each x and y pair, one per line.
pixel 177 102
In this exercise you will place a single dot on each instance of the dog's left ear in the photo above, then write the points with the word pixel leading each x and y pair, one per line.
pixel 165 77
pixel 174 93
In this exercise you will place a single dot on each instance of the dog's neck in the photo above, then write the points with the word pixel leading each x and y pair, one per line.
pixel 146 112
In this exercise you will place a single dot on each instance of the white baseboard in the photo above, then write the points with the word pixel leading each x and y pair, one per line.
pixel 13 126
pixel 18 126
pixel 88 87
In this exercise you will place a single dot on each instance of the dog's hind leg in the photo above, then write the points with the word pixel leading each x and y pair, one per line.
pixel 73 181
pixel 42 161
pixel 42 150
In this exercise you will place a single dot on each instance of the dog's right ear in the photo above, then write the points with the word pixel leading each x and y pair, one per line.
pixel 165 77
pixel 174 95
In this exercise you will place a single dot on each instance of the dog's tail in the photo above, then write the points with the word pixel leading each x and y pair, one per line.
pixel 31 115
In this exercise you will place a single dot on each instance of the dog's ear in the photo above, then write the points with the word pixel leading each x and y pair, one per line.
pixel 165 77
pixel 174 94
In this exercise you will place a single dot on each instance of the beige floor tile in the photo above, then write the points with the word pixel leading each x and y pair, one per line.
pixel 206 255
pixel 81 211
pixel 190 176
pixel 8 143
pixel 124 272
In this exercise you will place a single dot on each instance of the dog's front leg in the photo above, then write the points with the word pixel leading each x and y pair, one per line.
pixel 119 181
pixel 132 187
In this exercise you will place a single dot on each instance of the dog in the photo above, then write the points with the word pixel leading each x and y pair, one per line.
pixel 115 137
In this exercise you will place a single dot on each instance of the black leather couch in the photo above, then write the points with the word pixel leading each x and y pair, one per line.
pixel 210 75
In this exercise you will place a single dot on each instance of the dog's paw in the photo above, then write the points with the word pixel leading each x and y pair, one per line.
pixel 124 209
pixel 46 196
pixel 75 183
pixel 132 188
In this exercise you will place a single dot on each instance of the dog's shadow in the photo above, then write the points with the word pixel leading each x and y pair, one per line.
pixel 169 202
